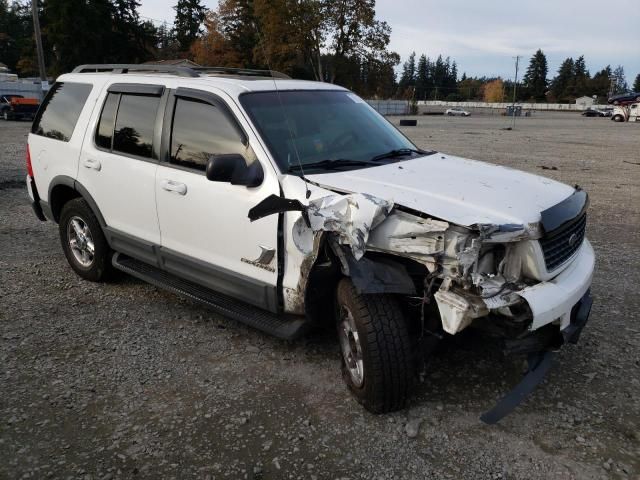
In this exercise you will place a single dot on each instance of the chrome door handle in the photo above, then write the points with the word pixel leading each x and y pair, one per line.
pixel 175 187
pixel 91 163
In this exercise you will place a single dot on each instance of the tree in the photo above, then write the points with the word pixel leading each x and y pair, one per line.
pixel 190 15
pixel 619 83
pixel 601 81
pixel 494 91
pixel 535 80
pixel 422 78
pixel 636 84
pixel 562 84
pixel 581 78
pixel 338 41
pixel 408 77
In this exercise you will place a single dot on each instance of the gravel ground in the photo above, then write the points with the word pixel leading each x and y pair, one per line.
pixel 123 380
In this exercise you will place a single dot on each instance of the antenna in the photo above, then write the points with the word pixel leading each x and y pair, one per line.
pixel 284 114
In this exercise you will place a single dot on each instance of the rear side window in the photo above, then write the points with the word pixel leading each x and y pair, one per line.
pixel 60 110
pixel 104 133
pixel 135 122
pixel 199 131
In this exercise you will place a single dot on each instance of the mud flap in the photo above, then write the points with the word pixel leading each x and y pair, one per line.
pixel 539 364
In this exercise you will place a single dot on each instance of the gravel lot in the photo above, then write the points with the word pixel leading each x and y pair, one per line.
pixel 123 380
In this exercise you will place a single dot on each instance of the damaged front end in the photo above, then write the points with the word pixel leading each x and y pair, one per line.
pixel 493 277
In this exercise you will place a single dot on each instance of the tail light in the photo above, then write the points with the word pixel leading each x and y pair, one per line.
pixel 29 167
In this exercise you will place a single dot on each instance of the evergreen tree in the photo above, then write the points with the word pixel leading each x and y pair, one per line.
pixel 620 83
pixel 439 76
pixel 190 15
pixel 422 78
pixel 581 78
pixel 599 84
pixel 563 83
pixel 408 78
pixel 535 80
pixel 636 84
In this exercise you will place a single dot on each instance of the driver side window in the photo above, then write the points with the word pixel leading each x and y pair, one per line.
pixel 200 130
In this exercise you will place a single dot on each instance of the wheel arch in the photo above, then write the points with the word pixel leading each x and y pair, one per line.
pixel 374 273
pixel 63 189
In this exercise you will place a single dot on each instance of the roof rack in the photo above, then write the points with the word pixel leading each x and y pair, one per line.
pixel 176 70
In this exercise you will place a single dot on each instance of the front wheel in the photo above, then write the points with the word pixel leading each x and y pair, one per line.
pixel 617 118
pixel 376 349
pixel 83 242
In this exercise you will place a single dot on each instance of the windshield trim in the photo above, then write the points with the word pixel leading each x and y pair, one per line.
pixel 266 142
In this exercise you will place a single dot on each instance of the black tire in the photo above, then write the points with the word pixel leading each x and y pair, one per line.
pixel 387 373
pixel 618 118
pixel 6 115
pixel 99 267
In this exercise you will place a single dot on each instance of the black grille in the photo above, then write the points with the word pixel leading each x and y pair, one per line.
pixel 557 245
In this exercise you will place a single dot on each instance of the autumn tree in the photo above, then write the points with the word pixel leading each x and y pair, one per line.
pixel 494 91
pixel 338 41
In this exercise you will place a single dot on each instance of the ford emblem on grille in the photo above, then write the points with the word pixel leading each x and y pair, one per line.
pixel 573 239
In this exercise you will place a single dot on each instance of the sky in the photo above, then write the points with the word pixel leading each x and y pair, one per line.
pixel 485 36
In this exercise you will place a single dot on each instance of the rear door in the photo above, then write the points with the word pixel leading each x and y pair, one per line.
pixel 206 235
pixel 118 165
pixel 56 136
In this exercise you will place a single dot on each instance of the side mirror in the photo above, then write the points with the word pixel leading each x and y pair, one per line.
pixel 232 168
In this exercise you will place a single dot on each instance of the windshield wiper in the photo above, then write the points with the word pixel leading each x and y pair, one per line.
pixel 398 152
pixel 331 164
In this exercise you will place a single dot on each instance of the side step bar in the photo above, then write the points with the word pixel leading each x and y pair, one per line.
pixel 280 326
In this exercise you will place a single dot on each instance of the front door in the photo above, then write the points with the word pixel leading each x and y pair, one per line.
pixel 206 235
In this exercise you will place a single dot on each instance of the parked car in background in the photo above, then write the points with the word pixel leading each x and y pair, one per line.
pixel 593 112
pixel 628 97
pixel 608 111
pixel 16 106
pixel 459 112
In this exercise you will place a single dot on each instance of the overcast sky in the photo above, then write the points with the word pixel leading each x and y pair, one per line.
pixel 483 36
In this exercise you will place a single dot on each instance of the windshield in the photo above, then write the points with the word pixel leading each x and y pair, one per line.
pixel 323 125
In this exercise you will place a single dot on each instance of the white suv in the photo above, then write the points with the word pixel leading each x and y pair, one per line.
pixel 285 203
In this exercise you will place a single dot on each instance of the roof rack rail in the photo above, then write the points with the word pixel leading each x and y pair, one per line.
pixel 128 68
pixel 175 70
pixel 249 72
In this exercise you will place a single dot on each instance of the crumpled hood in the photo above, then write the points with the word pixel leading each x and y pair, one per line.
pixel 454 189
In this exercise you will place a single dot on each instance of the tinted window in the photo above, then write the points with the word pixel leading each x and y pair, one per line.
pixel 201 130
pixel 59 112
pixel 135 124
pixel 104 133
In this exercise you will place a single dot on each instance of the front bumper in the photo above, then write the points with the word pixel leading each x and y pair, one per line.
pixel 554 300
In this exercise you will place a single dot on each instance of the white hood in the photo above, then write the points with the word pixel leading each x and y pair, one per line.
pixel 454 189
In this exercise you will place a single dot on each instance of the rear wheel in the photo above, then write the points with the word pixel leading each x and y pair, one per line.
pixel 83 242
pixel 376 350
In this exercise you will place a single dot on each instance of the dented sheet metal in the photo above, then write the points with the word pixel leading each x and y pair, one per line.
pixel 351 217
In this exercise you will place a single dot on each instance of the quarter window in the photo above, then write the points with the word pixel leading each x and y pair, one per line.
pixel 104 133
pixel 135 122
pixel 201 130
pixel 60 110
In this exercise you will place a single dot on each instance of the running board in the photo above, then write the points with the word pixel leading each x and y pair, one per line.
pixel 286 327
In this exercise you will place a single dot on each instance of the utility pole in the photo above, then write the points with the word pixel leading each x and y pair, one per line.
pixel 36 33
pixel 513 105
